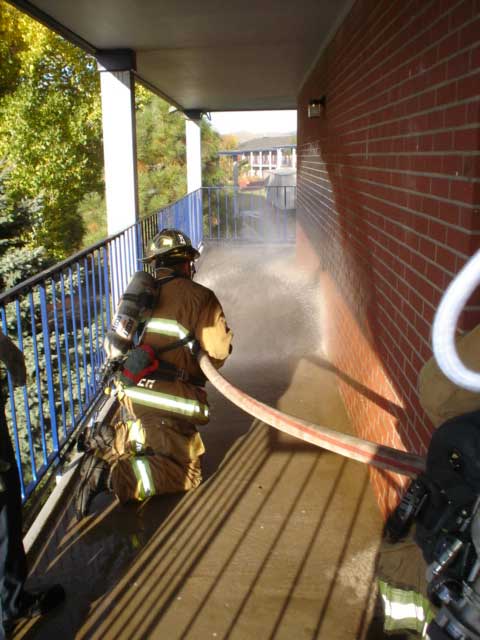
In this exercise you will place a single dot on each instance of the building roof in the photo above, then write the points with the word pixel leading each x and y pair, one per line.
pixel 204 56
pixel 266 143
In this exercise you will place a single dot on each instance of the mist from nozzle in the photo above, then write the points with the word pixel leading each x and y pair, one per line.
pixel 271 306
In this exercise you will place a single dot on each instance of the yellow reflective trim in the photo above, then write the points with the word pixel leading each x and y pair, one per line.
pixel 404 608
pixel 171 328
pixel 176 404
pixel 136 434
pixel 143 474
pixel 167 327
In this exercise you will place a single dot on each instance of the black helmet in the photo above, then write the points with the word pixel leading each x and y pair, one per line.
pixel 170 246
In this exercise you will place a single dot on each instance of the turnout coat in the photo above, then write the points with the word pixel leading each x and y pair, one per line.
pixel 157 446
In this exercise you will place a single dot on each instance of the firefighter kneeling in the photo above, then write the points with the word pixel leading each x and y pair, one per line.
pixel 429 562
pixel 155 448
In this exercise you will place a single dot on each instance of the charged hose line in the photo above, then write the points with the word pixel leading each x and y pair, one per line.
pixel 377 455
pixel 445 322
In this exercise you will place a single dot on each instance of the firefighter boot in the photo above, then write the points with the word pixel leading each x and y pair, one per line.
pixel 94 478
pixel 100 438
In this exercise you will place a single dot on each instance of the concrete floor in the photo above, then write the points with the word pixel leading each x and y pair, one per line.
pixel 280 540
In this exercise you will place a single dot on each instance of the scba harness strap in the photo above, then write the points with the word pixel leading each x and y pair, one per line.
pixel 144 362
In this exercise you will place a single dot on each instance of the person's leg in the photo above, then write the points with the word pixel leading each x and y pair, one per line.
pixel 13 564
pixel 16 602
pixel 140 477
pixel 103 448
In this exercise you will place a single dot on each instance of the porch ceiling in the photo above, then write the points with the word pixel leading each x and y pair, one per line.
pixel 211 55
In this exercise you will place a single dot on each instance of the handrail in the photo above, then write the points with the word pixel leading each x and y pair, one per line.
pixel 59 317
pixel 11 294
pixel 377 455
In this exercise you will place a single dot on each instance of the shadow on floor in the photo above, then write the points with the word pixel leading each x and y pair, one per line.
pixel 280 540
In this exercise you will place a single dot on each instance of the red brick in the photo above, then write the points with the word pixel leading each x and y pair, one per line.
pixel 459 240
pixel 427 248
pixel 430 206
pixel 466 218
pixel 418 263
pixel 473 112
pixel 456 116
pixel 427 100
pixel 443 141
pixel 467 140
pixel 437 231
pixel 447 94
pixel 448 46
pixel 437 277
pixel 440 187
pixel 463 191
pixel 414 183
pixel 461 14
pixel 446 259
pixel 475 58
pixel 468 87
pixel 469 34
pixel 452 165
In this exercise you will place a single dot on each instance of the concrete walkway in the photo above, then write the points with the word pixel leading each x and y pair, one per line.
pixel 280 540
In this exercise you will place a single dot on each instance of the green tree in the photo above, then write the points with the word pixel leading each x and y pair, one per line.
pixel 19 259
pixel 161 155
pixel 50 127
pixel 161 152
pixel 215 170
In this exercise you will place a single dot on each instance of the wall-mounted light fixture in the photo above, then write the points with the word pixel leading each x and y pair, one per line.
pixel 316 107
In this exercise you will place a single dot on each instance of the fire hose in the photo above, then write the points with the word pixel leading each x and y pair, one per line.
pixel 377 455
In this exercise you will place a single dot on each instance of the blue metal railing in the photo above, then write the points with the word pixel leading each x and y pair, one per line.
pixel 259 214
pixel 59 317
pixel 186 215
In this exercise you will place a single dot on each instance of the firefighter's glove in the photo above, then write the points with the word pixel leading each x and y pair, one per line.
pixel 94 479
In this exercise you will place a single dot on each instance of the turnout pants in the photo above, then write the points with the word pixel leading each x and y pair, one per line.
pixel 13 564
pixel 153 455
pixel 403 589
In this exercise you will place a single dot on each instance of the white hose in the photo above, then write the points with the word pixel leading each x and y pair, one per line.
pixel 445 323
pixel 372 453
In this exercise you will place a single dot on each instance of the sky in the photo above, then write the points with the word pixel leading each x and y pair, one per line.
pixel 255 121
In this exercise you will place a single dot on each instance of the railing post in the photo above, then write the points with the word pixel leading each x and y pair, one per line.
pixel 48 366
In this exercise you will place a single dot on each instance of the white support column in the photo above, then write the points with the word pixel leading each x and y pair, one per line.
pixel 260 162
pixel 270 160
pixel 294 158
pixel 252 171
pixel 279 158
pixel 119 138
pixel 194 154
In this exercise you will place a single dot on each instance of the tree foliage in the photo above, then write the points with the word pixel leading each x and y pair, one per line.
pixel 161 152
pixel 19 259
pixel 50 126
pixel 50 138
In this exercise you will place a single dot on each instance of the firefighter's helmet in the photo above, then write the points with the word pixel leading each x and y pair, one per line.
pixel 170 246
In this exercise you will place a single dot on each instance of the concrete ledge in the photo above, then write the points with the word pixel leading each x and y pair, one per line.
pixel 65 479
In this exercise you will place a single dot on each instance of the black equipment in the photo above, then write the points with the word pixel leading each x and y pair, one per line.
pixel 444 505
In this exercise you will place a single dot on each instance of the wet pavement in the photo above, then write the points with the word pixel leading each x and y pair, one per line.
pixel 280 540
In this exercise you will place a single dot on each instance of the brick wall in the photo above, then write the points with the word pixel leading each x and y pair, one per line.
pixel 388 200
